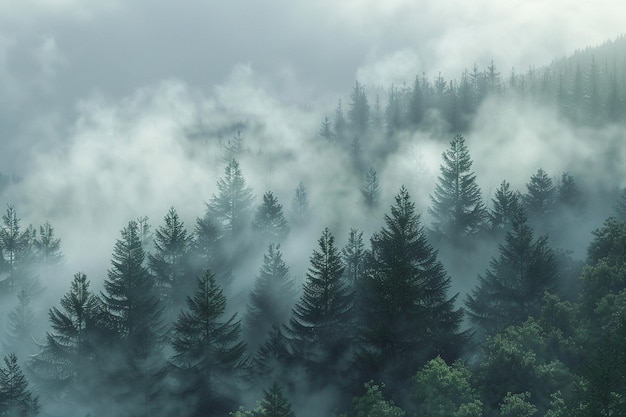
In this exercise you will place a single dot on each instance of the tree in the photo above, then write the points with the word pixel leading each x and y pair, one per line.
pixel 271 300
pixel 210 251
pixel 321 320
pixel 274 403
pixel 405 315
pixel 273 359
pixel 370 191
pixel 130 297
pixel 300 211
pixel 359 113
pixel 47 246
pixel 15 397
pixel 232 206
pixel 620 205
pixel 457 206
pixel 207 349
pixel 71 347
pixel 21 322
pixel 373 404
pixel 170 262
pixel 269 220
pixel 568 195
pixel 16 251
pixel 540 196
pixel 511 290
pixel 505 205
pixel 340 124
pixel 326 130
pixel 445 391
pixel 517 405
pixel 353 255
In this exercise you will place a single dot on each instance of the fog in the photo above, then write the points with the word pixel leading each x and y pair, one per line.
pixel 111 111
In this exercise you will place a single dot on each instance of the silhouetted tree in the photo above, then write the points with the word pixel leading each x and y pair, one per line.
pixel 359 113
pixel 274 403
pixel 300 211
pixel 326 130
pixel 370 191
pixel 269 220
pixel 620 205
pixel 47 246
pixel 340 124
pixel 21 321
pixel 16 250
pixel 15 397
pixel 273 359
pixel 505 205
pixel 353 255
pixel 210 252
pixel 540 197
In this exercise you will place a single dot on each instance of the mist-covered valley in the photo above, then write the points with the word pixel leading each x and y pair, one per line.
pixel 369 229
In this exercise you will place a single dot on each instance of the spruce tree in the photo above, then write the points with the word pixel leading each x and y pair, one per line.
pixel 512 288
pixel 405 314
pixel 170 262
pixel 540 197
pixel 321 321
pixel 300 211
pixel 231 207
pixel 16 250
pixel 273 359
pixel 340 124
pixel 21 321
pixel 326 130
pixel 210 251
pixel 457 206
pixel 505 205
pixel 271 300
pixel 269 221
pixel 208 349
pixel 15 397
pixel 48 246
pixel 370 192
pixel 274 403
pixel 620 205
pixel 353 255
pixel 359 112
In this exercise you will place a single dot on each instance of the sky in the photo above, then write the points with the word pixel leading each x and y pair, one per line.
pixel 97 93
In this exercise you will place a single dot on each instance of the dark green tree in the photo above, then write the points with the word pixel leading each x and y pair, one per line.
pixel 512 288
pixel 568 195
pixel 405 314
pixel 457 206
pixel 269 220
pixel 353 255
pixel 505 205
pixel 170 262
pixel 370 192
pixel 271 300
pixel 274 403
pixel 340 124
pixel 273 360
pixel 210 251
pixel 231 207
pixel 15 397
pixel 540 197
pixel 321 321
pixel 208 351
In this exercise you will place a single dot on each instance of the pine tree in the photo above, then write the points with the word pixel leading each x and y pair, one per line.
pixel 130 297
pixel 47 246
pixel 505 205
pixel 353 255
pixel 15 397
pixel 620 205
pixel 326 130
pixel 210 251
pixel 21 322
pixel 568 195
pixel 300 211
pixel 340 124
pixel 170 262
pixel 208 350
pixel 406 317
pixel 457 206
pixel 359 113
pixel 71 347
pixel 370 191
pixel 232 206
pixel 511 290
pixel 273 359
pixel 16 251
pixel 270 301
pixel 540 196
pixel 274 403
pixel 269 220
pixel 321 321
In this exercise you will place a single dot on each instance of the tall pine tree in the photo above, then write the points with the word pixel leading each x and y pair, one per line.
pixel 269 221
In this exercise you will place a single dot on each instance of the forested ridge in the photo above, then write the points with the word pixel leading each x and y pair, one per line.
pixel 479 305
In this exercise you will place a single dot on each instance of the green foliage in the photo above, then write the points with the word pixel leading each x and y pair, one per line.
pixel 353 255
pixel 15 397
pixel 373 404
pixel 540 196
pixel 517 405
pixel 274 404
pixel 47 246
pixel 457 206
pixel 370 192
pixel 269 221
pixel 505 206
pixel 16 254
pixel 441 390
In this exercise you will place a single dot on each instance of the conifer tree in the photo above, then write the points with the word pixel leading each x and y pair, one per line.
pixel 208 350
pixel 540 196
pixel 406 317
pixel 16 251
pixel 15 397
pixel 71 347
pixel 274 403
pixel 359 113
pixel 232 206
pixel 47 246
pixel 210 250
pixel 270 301
pixel 130 296
pixel 620 205
pixel 170 262
pixel 568 195
pixel 457 205
pixel 512 288
pixel 353 255
pixel 300 211
pixel 321 321
pixel 371 189
pixel 269 220
pixel 21 322
pixel 340 124
pixel 326 130
pixel 505 205
pixel 273 359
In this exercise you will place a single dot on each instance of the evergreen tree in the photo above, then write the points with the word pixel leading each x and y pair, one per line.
pixel 71 347
pixel 274 403
pixel 568 195
pixel 326 130
pixel 47 246
pixel 210 252
pixel 512 288
pixel 406 317
pixel 505 205
pixel 269 220
pixel 340 124
pixel 273 359
pixel 620 205
pixel 321 321
pixel 353 255
pixel 170 262
pixel 130 296
pixel 300 211
pixel 232 206
pixel 270 301
pixel 15 397
pixel 16 251
pixel 208 350
pixel 457 206
pixel 371 189
pixel 540 196
pixel 21 322
pixel 359 113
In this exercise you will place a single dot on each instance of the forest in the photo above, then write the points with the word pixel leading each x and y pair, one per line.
pixel 373 296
